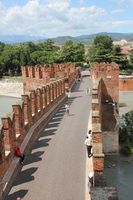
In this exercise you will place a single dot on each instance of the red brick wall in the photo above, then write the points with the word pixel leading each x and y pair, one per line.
pixel 126 84
pixel 105 77
pixel 109 73
pixel 40 99
pixel 98 163
pixel 34 77
pixel 33 107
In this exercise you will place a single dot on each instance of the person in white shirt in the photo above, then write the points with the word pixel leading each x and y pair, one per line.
pixel 90 177
pixel 88 143
pixel 67 109
pixel 89 134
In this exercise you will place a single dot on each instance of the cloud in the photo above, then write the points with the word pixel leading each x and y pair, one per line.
pixel 122 22
pixel 117 11
pixel 49 18
pixel 123 1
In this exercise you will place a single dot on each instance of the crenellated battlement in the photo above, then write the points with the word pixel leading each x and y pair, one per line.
pixel 38 71
pixel 44 87
pixel 109 73
pixel 24 116
pixel 105 70
pixel 105 103
pixel 39 75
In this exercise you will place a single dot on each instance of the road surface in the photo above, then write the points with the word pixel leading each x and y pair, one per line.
pixel 55 169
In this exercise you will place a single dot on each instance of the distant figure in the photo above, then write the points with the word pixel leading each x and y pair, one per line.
pixel 91 177
pixel 19 154
pixel 67 109
pixel 87 91
pixel 69 93
pixel 88 143
pixel 18 198
pixel 89 134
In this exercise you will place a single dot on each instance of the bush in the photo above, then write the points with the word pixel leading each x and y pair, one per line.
pixel 126 150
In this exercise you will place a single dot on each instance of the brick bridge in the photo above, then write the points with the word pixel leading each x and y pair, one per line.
pixel 54 143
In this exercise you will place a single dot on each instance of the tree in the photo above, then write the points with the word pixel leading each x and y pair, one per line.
pixel 2 45
pixel 116 49
pixel 126 132
pixel 79 52
pixel 12 57
pixel 104 42
pixel 101 49
pixel 73 52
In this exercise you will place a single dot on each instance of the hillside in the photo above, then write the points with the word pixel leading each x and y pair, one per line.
pixel 85 39
pixel 88 39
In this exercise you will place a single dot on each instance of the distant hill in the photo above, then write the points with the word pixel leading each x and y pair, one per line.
pixel 85 39
pixel 88 39
pixel 10 39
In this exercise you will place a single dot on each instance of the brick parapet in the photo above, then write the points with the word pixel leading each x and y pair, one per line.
pixel 109 73
pixel 34 77
pixel 34 105
pixel 105 91
pixel 126 84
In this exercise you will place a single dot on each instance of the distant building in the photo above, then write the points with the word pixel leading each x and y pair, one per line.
pixel 122 42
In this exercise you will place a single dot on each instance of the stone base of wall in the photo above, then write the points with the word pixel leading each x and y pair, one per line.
pixel 110 141
pixel 103 193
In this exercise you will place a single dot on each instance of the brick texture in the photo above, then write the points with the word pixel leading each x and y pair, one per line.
pixel 46 85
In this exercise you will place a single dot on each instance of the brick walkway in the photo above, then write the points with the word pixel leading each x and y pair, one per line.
pixel 55 169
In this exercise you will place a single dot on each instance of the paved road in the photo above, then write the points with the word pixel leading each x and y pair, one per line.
pixel 55 168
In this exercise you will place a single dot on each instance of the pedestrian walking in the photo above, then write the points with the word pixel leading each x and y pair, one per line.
pixel 69 93
pixel 89 134
pixel 91 177
pixel 67 109
pixel 88 143
pixel 19 154
pixel 87 91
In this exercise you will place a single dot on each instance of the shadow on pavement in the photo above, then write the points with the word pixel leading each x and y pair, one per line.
pixel 40 143
pixel 25 176
pixel 47 133
pixel 34 157
pixel 70 115
pixel 52 125
pixel 78 90
pixel 20 193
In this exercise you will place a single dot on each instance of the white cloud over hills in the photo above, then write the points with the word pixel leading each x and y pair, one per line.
pixel 52 18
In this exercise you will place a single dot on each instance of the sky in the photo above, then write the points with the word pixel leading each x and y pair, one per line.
pixel 51 18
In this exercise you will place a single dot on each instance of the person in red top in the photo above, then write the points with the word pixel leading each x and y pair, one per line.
pixel 19 154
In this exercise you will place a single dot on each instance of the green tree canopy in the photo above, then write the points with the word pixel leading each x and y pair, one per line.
pixel 101 49
pixel 12 57
pixel 127 126
pixel 73 52
pixel 126 133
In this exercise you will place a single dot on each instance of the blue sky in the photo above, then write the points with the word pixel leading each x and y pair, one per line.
pixel 52 18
